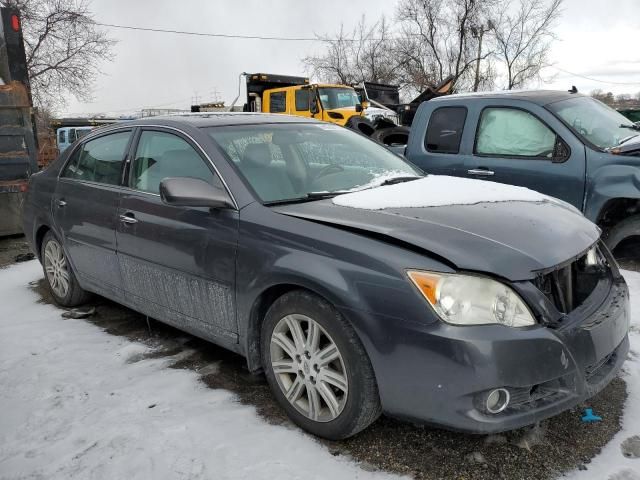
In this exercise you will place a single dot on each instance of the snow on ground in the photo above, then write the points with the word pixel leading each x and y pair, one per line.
pixel 438 190
pixel 72 407
pixel 611 463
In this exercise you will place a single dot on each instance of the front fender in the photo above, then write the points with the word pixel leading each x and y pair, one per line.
pixel 610 182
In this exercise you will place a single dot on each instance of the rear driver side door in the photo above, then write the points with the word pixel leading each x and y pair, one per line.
pixel 177 263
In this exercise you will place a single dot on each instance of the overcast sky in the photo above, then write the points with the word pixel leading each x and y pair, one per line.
pixel 597 38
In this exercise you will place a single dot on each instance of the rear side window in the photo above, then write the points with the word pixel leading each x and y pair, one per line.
pixel 278 102
pixel 99 160
pixel 513 133
pixel 161 155
pixel 302 100
pixel 445 129
pixel 62 136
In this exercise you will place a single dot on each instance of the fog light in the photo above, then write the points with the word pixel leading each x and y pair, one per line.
pixel 497 400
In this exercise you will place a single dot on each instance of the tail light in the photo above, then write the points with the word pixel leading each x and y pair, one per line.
pixel 15 22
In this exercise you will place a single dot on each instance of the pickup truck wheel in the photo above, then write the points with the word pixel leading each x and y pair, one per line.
pixel 60 278
pixel 317 368
pixel 626 230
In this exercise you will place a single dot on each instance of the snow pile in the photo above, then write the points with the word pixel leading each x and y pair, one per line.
pixel 72 407
pixel 611 463
pixel 436 191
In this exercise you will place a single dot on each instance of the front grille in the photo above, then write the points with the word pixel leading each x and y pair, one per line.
pixel 569 286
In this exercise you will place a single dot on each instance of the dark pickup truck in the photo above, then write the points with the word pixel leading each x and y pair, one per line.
pixel 563 144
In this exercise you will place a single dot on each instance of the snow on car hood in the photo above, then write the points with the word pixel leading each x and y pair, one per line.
pixel 511 232
pixel 436 191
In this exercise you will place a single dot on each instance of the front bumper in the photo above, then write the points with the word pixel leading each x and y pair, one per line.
pixel 440 374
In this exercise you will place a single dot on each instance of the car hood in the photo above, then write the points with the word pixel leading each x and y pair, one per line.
pixel 513 238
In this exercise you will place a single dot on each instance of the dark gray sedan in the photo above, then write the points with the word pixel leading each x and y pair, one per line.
pixel 358 285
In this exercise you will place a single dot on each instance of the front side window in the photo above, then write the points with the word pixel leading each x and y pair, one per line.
pixel 290 161
pixel 515 133
pixel 302 100
pixel 99 160
pixel 278 102
pixel 445 129
pixel 160 155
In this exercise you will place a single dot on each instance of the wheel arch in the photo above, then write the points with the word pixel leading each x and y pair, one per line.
pixel 261 305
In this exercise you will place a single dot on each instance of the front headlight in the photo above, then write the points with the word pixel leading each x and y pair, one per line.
pixel 472 300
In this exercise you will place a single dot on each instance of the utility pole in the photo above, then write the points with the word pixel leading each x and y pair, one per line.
pixel 478 32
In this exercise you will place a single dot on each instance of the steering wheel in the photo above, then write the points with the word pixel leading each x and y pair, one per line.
pixel 547 153
pixel 329 169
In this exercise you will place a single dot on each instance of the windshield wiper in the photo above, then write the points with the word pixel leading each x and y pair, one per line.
pixel 632 126
pixel 394 180
pixel 626 139
pixel 309 197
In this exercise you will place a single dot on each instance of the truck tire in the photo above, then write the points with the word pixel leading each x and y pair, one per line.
pixel 58 274
pixel 317 367
pixel 627 228
pixel 361 125
pixel 392 136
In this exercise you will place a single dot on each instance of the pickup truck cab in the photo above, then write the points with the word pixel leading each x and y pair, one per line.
pixel 563 144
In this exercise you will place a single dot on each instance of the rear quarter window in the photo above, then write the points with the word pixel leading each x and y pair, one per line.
pixel 444 131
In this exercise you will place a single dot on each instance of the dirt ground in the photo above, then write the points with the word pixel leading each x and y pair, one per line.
pixel 546 451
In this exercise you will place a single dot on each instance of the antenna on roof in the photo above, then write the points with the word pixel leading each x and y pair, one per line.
pixel 573 89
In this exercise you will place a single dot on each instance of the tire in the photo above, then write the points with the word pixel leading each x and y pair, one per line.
pixel 58 272
pixel 361 125
pixel 392 136
pixel 356 403
pixel 629 227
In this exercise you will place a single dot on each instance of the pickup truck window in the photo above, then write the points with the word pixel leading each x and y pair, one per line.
pixel 445 129
pixel 278 102
pixel 594 122
pixel 99 160
pixel 513 132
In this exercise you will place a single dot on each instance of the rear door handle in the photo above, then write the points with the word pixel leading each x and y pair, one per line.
pixel 481 172
pixel 128 218
pixel 61 203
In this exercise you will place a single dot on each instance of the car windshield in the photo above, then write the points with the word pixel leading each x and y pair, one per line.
pixel 595 122
pixel 333 97
pixel 291 162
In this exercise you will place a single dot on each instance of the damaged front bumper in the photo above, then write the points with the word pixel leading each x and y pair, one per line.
pixel 545 370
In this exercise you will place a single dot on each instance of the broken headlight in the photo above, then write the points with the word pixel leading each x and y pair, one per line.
pixel 472 300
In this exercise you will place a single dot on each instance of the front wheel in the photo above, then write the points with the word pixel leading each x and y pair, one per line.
pixel 60 278
pixel 317 368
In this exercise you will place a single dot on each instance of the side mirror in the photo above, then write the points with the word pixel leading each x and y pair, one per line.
pixel 313 105
pixel 561 151
pixel 193 192
pixel 359 108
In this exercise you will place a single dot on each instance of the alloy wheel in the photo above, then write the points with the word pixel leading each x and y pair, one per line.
pixel 55 266
pixel 309 368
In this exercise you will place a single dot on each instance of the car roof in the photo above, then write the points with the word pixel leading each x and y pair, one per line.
pixel 540 97
pixel 216 119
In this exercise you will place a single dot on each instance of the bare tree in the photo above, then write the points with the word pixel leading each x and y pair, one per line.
pixel 440 38
pixel 64 48
pixel 364 54
pixel 523 34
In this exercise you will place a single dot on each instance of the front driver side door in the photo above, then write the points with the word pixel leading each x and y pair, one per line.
pixel 177 263
pixel 514 146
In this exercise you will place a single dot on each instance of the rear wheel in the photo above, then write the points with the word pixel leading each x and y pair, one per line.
pixel 60 278
pixel 317 367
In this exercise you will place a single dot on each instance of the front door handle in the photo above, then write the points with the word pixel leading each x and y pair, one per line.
pixel 481 172
pixel 128 219
pixel 61 203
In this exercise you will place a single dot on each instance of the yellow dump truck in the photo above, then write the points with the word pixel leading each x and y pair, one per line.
pixel 296 96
